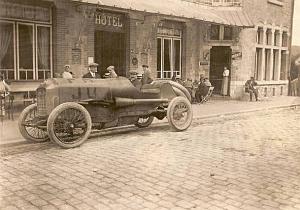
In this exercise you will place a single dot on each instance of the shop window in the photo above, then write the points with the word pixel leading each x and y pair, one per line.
pixel 25 47
pixel 43 52
pixel 159 60
pixel 177 56
pixel 7 50
pixel 168 57
pixel 228 33
pixel 215 32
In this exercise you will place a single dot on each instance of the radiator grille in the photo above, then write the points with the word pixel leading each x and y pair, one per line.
pixel 41 102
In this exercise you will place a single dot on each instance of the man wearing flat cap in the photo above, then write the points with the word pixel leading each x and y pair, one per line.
pixel 112 73
pixel 92 71
pixel 146 75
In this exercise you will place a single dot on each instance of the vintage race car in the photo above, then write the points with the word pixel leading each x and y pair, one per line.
pixel 68 109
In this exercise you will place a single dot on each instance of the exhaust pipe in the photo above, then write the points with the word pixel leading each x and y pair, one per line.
pixel 123 102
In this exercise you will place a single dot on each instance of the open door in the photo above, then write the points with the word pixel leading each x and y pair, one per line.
pixel 110 50
pixel 219 58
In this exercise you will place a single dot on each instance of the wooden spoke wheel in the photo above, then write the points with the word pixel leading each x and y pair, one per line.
pixel 180 113
pixel 28 125
pixel 69 125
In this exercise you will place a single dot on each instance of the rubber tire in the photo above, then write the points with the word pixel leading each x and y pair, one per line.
pixel 146 124
pixel 22 129
pixel 171 110
pixel 177 86
pixel 56 112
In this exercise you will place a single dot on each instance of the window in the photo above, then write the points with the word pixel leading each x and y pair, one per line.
pixel 276 38
pixel 43 52
pixel 215 32
pixel 7 50
pixel 258 62
pixel 259 36
pixel 220 32
pixel 284 39
pixel 269 36
pixel 25 50
pixel 168 57
pixel 227 33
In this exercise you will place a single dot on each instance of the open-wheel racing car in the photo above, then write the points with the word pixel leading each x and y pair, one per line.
pixel 68 109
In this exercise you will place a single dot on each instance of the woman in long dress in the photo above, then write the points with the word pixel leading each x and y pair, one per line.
pixel 224 89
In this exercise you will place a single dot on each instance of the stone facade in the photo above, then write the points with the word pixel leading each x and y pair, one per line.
pixel 74 42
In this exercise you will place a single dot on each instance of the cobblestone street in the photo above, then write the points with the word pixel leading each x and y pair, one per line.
pixel 243 161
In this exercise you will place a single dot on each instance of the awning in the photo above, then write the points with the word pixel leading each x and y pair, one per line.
pixel 178 8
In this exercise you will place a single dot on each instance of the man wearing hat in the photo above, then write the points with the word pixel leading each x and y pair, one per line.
pixel 146 75
pixel 112 73
pixel 133 77
pixel 92 71
pixel 67 74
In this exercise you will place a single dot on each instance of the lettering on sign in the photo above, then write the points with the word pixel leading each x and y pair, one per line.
pixel 169 31
pixel 24 12
pixel 236 55
pixel 107 19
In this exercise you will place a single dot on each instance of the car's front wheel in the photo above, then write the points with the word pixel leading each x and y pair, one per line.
pixel 69 125
pixel 28 127
pixel 179 113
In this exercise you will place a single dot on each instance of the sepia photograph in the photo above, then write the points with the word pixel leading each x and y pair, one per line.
pixel 149 104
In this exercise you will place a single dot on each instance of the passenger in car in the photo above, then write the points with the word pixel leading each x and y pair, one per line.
pixel 67 74
pixel 111 71
pixel 92 71
pixel 133 77
pixel 146 75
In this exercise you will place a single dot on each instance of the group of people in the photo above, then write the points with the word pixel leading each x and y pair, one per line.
pixel 197 89
pixel 137 79
pixel 93 72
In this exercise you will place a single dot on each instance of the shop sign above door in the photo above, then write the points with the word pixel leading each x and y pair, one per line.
pixel 24 12
pixel 110 21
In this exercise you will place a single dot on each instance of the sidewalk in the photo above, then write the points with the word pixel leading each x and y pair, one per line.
pixel 9 132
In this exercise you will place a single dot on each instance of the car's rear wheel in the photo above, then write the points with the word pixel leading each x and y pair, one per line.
pixel 180 113
pixel 69 125
pixel 144 122
pixel 28 125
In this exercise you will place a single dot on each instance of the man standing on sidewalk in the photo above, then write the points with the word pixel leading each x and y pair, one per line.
pixel 250 87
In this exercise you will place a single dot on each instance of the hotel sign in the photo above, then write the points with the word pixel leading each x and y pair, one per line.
pixel 110 21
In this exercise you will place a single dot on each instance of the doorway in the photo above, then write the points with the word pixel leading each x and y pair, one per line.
pixel 110 50
pixel 219 58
